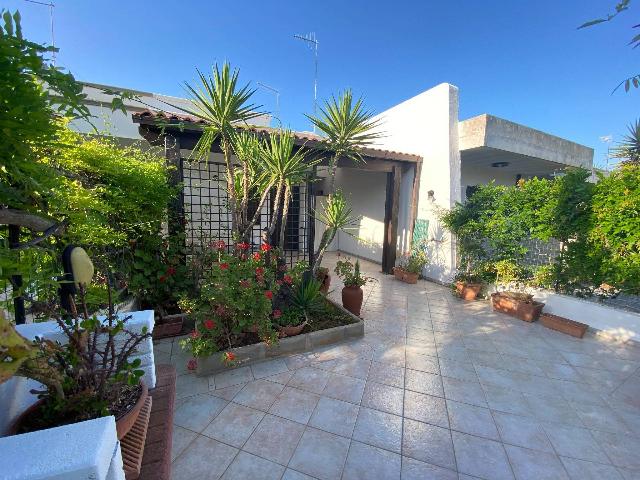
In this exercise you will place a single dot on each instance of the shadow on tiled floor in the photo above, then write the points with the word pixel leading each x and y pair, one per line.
pixel 437 388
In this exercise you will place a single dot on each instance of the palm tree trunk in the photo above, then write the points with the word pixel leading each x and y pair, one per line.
pixel 256 215
pixel 332 174
pixel 276 210
pixel 327 237
pixel 231 192
pixel 244 214
pixel 285 213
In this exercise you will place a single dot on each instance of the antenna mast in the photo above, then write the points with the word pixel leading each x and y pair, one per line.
pixel 277 93
pixel 53 38
pixel 311 40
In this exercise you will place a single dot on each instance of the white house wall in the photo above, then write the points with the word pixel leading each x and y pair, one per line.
pixel 366 193
pixel 427 125
pixel 472 176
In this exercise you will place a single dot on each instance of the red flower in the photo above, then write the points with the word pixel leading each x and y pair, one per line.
pixel 265 247
pixel 245 283
pixel 287 279
pixel 171 271
pixel 259 271
pixel 229 356
pixel 220 244
pixel 163 278
pixel 224 266
pixel 195 334
pixel 277 313
pixel 192 364
pixel 256 256
pixel 244 246
pixel 268 294
pixel 209 324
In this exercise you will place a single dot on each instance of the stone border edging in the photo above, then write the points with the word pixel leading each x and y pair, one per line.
pixel 305 342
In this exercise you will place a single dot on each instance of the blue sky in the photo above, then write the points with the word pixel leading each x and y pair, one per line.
pixel 524 61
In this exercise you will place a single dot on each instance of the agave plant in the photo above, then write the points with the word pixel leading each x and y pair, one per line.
pixel 629 148
pixel 307 297
pixel 336 215
pixel 347 127
pixel 224 106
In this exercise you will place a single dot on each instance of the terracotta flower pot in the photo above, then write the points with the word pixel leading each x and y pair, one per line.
pixel 352 299
pixel 529 311
pixel 405 276
pixel 291 331
pixel 564 325
pixel 468 291
pixel 123 423
pixel 326 283
pixel 126 421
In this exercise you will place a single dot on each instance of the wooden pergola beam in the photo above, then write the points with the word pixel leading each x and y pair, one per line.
pixel 391 209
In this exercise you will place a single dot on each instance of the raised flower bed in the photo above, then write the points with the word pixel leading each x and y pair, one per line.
pixel 251 306
pixel 309 339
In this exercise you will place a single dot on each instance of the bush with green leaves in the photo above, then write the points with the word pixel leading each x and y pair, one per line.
pixel 596 224
pixel 350 273
pixel 614 234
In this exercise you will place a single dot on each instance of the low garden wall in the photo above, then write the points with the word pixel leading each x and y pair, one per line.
pixel 614 322
pixel 77 451
pixel 285 346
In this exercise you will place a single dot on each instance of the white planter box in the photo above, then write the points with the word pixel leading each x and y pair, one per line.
pixel 84 450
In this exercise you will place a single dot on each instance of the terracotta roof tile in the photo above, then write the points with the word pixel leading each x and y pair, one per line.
pixel 160 116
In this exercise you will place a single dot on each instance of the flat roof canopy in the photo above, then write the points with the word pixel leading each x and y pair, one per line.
pixel 485 157
pixel 486 139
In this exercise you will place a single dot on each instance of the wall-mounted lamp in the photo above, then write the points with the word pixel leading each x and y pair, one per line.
pixel 500 164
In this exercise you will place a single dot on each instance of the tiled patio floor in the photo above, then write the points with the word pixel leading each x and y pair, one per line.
pixel 437 389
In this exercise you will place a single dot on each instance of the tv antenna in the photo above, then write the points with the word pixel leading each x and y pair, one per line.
pixel 312 42
pixel 277 94
pixel 53 38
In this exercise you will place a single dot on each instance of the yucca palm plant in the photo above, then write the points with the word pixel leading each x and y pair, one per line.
pixel 347 128
pixel 336 215
pixel 283 168
pixel 629 148
pixel 224 106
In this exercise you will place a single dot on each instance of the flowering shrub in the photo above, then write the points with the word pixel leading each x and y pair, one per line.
pixel 235 298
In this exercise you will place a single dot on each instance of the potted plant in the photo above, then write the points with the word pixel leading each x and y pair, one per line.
pixel 90 376
pixel 352 294
pixel 512 301
pixel 411 266
pixel 306 298
pixel 467 286
pixel 322 275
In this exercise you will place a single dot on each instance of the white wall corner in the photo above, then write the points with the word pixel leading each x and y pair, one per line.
pixel 427 125
pixel 71 452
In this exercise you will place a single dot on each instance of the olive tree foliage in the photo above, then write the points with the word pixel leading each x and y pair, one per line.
pixel 620 7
